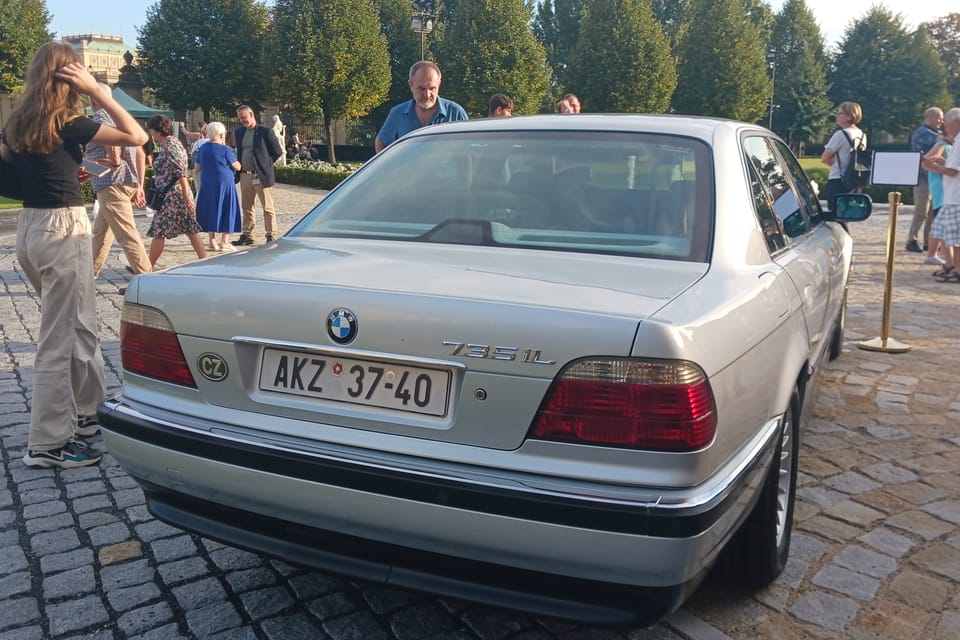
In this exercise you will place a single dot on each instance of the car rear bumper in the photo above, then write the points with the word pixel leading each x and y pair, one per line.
pixel 585 557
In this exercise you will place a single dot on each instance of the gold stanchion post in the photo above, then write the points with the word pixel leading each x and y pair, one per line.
pixel 885 343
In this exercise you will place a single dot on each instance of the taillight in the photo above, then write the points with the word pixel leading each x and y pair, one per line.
pixel 149 346
pixel 660 405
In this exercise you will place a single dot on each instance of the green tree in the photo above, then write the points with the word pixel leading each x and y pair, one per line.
pixel 489 48
pixel 945 35
pixel 892 73
pixel 330 59
pixel 204 53
pixel 622 62
pixel 722 70
pixel 800 85
pixel 673 15
pixel 557 27
pixel 23 28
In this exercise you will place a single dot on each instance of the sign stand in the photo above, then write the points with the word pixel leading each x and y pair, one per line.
pixel 891 168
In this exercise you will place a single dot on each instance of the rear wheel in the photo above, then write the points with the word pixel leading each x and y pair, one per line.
pixel 763 542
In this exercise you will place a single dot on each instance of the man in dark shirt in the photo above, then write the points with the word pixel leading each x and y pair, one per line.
pixel 922 139
pixel 257 150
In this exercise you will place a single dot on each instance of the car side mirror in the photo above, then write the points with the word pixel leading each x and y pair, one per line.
pixel 851 207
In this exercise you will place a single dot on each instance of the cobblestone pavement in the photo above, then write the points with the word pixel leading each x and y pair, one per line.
pixel 875 551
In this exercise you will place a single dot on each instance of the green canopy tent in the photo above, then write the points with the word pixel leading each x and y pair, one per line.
pixel 136 109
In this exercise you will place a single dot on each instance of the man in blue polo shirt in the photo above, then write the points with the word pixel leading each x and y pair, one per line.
pixel 427 107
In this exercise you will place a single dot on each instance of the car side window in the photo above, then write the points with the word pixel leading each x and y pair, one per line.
pixel 808 197
pixel 775 179
pixel 763 205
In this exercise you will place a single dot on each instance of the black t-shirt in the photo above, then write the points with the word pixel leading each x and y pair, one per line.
pixel 51 181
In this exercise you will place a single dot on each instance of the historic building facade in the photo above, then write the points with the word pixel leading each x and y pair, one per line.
pixel 102 55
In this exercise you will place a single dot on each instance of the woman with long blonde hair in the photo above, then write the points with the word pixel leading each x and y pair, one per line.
pixel 43 140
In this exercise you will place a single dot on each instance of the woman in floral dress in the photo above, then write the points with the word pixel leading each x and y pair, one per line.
pixel 178 214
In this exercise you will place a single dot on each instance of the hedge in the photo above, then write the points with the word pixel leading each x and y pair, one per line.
pixel 878 194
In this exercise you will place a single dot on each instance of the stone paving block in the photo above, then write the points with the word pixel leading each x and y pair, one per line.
pixel 354 626
pixel 213 618
pixel 58 541
pixel 917 493
pixel 920 590
pixel 332 605
pixel 820 496
pixel 128 497
pixel 91 503
pixel 33 632
pixel 266 602
pixel 181 570
pixel 109 534
pixel 231 559
pixel 153 530
pixel 939 558
pixel 854 513
pixel 44 509
pixel 75 582
pixel 829 528
pixel 893 620
pixel 851 482
pixel 488 622
pixel 14 584
pixel 12 559
pixel 74 615
pixel 824 442
pixel 38 496
pixel 173 548
pixel 63 561
pixel 806 548
pixel 149 617
pixel 198 594
pixel 949 627
pixel 96 519
pixel 851 583
pixel 243 633
pixel 127 574
pixel 293 627
pixel 886 541
pixel 114 553
pixel 166 632
pixel 918 522
pixel 247 579
pixel 313 584
pixel 866 561
pixel 386 599
pixel 15 612
pixel 824 610
pixel 126 598
pixel 88 488
pixel 427 618
pixel 948 510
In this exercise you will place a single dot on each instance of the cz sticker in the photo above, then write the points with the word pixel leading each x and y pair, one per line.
pixel 212 367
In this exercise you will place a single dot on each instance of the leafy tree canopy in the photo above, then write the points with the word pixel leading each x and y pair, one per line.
pixel 622 62
pixel 204 53
pixel 722 69
pixel 892 73
pixel 557 27
pixel 23 28
pixel 489 48
pixel 944 33
pixel 329 58
pixel 802 110
pixel 403 45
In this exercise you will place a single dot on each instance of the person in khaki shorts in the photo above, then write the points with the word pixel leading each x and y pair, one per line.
pixel 257 150
pixel 116 193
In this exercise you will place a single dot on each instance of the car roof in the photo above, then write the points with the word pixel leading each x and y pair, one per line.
pixel 704 128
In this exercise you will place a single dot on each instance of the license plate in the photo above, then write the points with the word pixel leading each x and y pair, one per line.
pixel 367 382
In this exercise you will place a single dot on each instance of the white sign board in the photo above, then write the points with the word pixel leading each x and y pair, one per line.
pixel 896 168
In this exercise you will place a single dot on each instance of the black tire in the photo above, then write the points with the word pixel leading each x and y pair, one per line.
pixel 836 340
pixel 763 542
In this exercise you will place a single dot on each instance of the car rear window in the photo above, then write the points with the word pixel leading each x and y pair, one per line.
pixel 648 195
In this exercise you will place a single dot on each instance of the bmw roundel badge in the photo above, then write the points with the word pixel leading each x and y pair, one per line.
pixel 342 325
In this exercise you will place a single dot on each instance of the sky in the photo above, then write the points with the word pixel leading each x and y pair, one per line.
pixel 113 17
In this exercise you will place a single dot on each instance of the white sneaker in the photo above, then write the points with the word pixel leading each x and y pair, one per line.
pixel 935 260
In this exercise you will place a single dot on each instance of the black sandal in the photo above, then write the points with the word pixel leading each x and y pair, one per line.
pixel 952 276
pixel 944 272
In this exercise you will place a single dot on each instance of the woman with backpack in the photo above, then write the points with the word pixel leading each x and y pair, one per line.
pixel 838 152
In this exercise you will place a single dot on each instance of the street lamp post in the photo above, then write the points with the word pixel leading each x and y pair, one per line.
pixel 772 65
pixel 422 21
